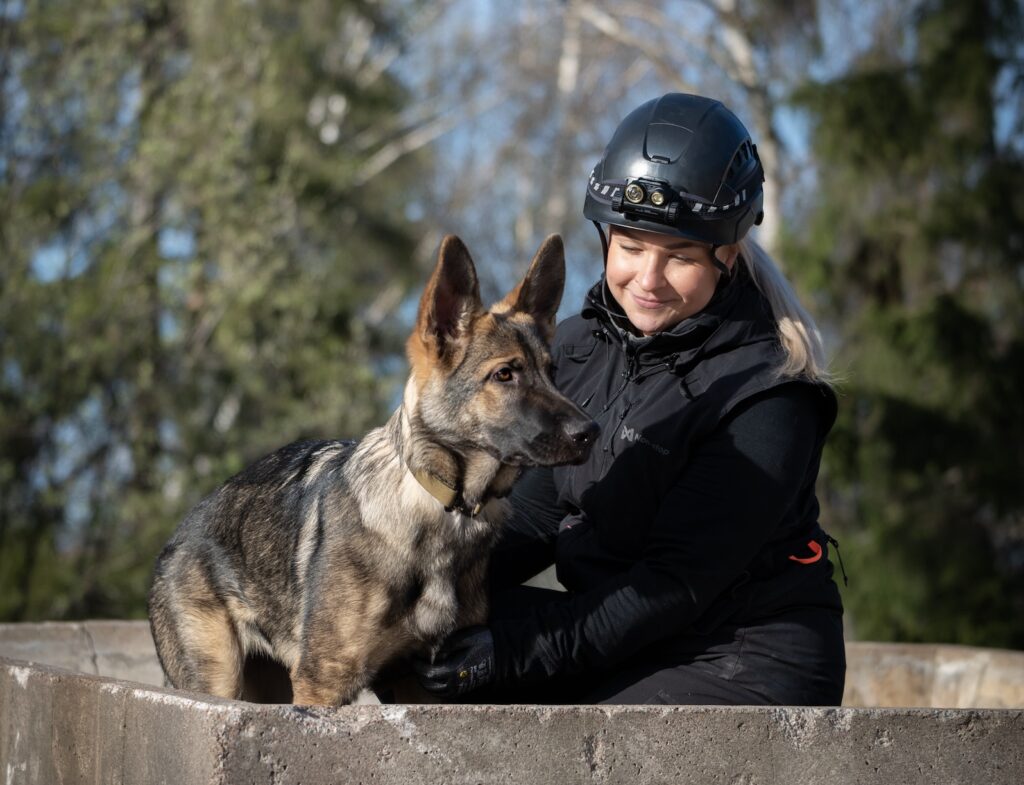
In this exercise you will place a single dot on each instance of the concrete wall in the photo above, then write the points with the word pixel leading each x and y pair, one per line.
pixel 58 726
pixel 120 649
pixel 878 674
pixel 894 674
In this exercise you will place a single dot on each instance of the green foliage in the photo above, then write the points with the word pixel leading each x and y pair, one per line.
pixel 916 239
pixel 190 262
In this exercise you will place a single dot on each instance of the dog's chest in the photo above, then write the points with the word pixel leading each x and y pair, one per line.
pixel 453 571
pixel 436 611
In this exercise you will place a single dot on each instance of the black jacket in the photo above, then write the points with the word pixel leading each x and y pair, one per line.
pixel 649 536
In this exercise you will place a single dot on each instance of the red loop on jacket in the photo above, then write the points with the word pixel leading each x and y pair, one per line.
pixel 815 549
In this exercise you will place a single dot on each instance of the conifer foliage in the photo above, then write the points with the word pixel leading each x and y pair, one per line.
pixel 915 239
pixel 191 269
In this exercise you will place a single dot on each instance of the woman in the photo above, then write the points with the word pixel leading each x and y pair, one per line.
pixel 689 544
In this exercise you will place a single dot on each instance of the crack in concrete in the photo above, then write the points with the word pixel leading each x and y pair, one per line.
pixel 93 656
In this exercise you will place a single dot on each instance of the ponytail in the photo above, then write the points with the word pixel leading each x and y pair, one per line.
pixel 801 341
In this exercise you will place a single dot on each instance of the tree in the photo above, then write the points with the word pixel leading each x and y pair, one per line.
pixel 558 76
pixel 194 268
pixel 915 241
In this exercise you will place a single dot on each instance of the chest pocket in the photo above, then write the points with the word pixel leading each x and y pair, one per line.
pixel 644 446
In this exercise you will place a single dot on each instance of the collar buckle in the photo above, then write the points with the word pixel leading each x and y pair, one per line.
pixel 451 498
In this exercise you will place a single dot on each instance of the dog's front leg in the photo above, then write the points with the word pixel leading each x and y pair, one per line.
pixel 472 594
pixel 324 679
pixel 333 664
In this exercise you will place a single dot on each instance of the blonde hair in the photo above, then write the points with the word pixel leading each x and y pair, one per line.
pixel 801 341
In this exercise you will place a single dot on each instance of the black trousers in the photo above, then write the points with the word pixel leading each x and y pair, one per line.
pixel 796 658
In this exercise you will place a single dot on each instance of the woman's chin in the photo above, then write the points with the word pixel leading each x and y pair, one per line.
pixel 647 324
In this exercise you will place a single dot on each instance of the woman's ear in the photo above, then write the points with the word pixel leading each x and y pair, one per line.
pixel 727 255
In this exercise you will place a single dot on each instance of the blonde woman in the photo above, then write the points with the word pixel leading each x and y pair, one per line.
pixel 689 544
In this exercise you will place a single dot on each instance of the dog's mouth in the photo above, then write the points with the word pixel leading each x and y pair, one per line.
pixel 568 449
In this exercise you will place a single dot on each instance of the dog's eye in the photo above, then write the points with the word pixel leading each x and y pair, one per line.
pixel 503 374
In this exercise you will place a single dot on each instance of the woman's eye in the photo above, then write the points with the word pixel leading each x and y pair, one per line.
pixel 503 375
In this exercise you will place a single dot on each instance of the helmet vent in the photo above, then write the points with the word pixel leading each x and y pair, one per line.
pixel 740 159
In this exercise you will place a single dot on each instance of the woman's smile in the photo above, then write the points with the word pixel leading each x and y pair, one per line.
pixel 647 302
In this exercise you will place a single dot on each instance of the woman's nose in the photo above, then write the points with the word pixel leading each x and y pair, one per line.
pixel 650 274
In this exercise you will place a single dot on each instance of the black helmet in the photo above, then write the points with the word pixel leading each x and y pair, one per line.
pixel 681 165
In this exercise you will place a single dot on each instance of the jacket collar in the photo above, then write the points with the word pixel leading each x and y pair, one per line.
pixel 737 315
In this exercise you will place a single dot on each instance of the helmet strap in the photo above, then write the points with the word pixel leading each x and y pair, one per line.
pixel 719 263
pixel 604 241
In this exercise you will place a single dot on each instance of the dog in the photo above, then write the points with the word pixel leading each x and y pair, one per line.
pixel 333 558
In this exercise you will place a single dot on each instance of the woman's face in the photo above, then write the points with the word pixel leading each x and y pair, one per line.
pixel 658 279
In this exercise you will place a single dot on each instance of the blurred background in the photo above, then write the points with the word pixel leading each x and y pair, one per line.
pixel 216 217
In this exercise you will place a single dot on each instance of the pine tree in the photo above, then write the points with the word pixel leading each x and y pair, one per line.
pixel 915 240
pixel 192 273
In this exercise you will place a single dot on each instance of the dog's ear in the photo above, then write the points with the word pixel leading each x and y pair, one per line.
pixel 451 300
pixel 540 292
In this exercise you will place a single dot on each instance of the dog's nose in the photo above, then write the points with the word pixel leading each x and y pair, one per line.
pixel 583 433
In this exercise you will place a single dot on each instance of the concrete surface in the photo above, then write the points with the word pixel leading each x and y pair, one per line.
pixel 878 674
pixel 898 674
pixel 59 726
pixel 121 649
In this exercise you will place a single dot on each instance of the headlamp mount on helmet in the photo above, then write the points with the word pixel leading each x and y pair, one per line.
pixel 656 199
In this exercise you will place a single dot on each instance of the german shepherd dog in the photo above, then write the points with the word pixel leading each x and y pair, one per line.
pixel 334 559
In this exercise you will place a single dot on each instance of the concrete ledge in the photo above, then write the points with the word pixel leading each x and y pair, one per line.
pixel 920 674
pixel 122 649
pixel 878 674
pixel 63 727
pixel 79 725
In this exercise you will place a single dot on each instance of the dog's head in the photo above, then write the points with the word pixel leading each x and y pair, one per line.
pixel 482 378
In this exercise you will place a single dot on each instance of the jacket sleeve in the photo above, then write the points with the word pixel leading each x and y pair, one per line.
pixel 527 541
pixel 726 505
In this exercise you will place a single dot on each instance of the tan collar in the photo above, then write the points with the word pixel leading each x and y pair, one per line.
pixel 450 497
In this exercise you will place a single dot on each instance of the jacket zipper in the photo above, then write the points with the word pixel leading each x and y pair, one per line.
pixel 630 374
pixel 627 377
pixel 613 431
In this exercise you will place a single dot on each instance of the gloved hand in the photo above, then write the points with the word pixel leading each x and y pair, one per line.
pixel 464 662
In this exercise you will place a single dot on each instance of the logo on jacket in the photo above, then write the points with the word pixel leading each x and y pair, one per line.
pixel 634 436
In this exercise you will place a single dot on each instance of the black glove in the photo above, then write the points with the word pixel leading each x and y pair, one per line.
pixel 464 662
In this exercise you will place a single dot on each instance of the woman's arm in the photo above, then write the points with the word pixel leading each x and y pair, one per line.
pixel 727 504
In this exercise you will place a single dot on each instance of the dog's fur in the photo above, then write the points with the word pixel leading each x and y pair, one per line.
pixel 333 558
